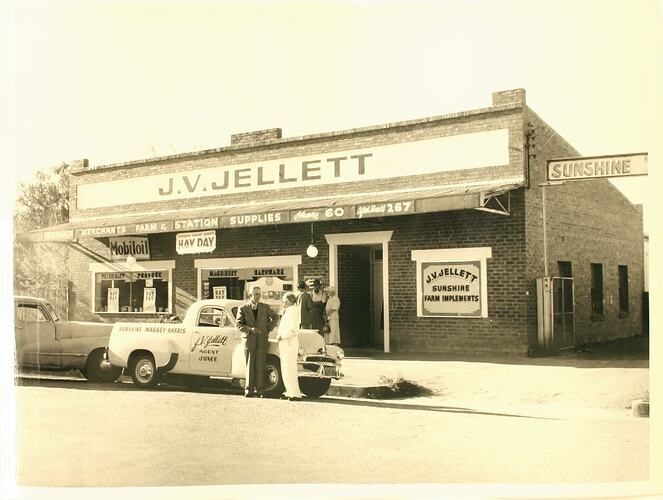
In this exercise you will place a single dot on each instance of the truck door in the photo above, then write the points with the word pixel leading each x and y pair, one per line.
pixel 212 342
pixel 36 344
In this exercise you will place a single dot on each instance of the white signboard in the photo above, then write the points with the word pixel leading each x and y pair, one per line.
pixel 198 242
pixel 451 288
pixel 442 154
pixel 220 292
pixel 137 246
pixel 149 299
pixel 452 282
pixel 594 167
pixel 113 300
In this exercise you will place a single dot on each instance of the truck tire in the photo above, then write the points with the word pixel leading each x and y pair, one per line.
pixel 93 371
pixel 143 370
pixel 273 379
pixel 314 387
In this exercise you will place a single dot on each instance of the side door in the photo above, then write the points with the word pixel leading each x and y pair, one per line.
pixel 36 344
pixel 212 341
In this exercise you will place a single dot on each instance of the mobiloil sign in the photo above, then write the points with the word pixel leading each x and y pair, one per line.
pixel 120 248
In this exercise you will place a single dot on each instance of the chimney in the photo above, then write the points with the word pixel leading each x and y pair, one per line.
pixel 509 97
pixel 248 138
pixel 76 166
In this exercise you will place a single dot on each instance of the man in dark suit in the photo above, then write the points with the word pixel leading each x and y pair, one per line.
pixel 255 320
pixel 305 305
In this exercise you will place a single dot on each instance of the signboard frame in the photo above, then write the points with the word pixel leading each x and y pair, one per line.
pixel 581 164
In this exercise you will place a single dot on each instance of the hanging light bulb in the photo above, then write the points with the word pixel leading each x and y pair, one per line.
pixel 131 260
pixel 312 251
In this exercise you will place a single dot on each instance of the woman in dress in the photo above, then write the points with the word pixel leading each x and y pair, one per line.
pixel 331 313
pixel 318 301
pixel 286 335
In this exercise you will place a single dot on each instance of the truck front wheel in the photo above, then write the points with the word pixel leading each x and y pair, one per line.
pixel 143 371
pixel 314 387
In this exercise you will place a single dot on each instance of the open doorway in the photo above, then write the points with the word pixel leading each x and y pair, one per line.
pixel 356 267
pixel 360 290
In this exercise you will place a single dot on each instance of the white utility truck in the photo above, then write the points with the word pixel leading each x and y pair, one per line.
pixel 207 343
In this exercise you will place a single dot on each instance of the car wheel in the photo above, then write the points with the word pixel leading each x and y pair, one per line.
pixel 144 371
pixel 93 371
pixel 273 379
pixel 314 387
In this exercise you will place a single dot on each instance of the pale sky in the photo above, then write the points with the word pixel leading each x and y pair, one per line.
pixel 118 80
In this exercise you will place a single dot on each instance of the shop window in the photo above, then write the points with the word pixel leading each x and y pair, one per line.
pixel 236 283
pixel 597 291
pixel 623 291
pixel 564 269
pixel 144 290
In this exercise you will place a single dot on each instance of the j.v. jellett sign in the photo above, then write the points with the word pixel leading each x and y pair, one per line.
pixel 480 149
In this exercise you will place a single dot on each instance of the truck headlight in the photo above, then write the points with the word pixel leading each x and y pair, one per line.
pixel 301 351
pixel 340 354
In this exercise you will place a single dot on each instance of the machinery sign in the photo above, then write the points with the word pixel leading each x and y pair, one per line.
pixel 594 167
pixel 451 288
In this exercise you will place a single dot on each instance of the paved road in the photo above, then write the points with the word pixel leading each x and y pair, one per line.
pixel 73 433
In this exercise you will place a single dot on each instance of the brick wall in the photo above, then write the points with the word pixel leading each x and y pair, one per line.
pixel 587 222
pixel 503 330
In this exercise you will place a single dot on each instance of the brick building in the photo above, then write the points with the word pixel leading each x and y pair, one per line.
pixel 431 229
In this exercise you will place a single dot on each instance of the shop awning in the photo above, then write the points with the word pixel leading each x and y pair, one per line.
pixel 476 195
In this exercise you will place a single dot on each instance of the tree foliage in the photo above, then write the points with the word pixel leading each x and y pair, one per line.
pixel 41 202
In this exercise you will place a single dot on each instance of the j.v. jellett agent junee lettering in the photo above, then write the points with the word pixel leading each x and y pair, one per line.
pixel 311 170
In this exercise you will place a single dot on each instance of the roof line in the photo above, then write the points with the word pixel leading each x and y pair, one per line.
pixel 287 140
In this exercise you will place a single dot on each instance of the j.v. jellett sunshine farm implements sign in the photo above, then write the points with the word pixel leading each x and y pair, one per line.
pixel 451 288
pixel 593 167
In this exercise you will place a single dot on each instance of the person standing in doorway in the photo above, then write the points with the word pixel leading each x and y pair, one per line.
pixel 304 305
pixel 289 347
pixel 318 300
pixel 255 320
pixel 331 314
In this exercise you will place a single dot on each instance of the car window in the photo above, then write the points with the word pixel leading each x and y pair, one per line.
pixel 214 317
pixel 30 312
pixel 51 311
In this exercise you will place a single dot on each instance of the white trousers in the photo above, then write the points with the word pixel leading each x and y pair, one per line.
pixel 288 349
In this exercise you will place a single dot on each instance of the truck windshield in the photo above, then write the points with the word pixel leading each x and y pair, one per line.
pixel 52 312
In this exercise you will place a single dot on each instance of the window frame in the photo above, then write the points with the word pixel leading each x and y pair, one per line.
pixel 164 266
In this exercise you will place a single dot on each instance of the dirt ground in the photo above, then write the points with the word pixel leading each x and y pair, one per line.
pixel 593 379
